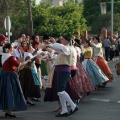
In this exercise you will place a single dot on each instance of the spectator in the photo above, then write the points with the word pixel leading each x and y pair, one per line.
pixel 107 46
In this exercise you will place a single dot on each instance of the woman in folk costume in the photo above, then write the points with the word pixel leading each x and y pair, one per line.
pixel 51 56
pixel 50 59
pixel 37 46
pixel 43 65
pixel 62 70
pixel 51 85
pixel 92 69
pixel 3 41
pixel 17 51
pixel 81 81
pixel 24 46
pixel 11 96
pixel 81 51
pixel 29 79
pixel 99 59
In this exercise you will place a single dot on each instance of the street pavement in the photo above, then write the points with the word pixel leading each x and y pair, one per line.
pixel 103 104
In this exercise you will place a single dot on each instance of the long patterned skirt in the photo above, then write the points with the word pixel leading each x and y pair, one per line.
pixel 94 72
pixel 28 84
pixel 43 66
pixel 11 95
pixel 81 81
pixel 101 62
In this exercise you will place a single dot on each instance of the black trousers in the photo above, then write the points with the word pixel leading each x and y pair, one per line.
pixel 112 54
pixel 107 53
pixel 62 79
pixel 73 73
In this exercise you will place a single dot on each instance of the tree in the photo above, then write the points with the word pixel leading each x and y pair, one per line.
pixel 30 17
pixel 92 13
pixel 19 19
pixel 117 22
pixel 6 8
pixel 47 19
pixel 59 20
pixel 20 11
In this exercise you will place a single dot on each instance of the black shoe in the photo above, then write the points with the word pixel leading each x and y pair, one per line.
pixel 73 111
pixel 62 115
pixel 104 84
pixel 10 115
pixel 35 99
pixel 87 93
pixel 30 103
pixel 78 101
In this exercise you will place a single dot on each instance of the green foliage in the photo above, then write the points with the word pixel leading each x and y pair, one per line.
pixel 102 21
pixel 47 19
pixel 117 22
pixel 95 20
pixel 19 19
pixel 59 20
pixel 7 7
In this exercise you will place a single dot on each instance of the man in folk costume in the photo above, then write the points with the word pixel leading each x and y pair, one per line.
pixel 3 41
pixel 63 63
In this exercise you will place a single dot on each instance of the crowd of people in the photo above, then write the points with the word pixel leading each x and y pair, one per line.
pixel 67 69
pixel 112 47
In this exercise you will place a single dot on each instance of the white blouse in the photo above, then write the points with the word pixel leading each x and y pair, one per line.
pixel 97 50
pixel 60 48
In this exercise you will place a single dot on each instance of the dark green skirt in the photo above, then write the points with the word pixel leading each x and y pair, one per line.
pixel 43 68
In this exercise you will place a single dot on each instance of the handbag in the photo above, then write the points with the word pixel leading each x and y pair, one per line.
pixel 117 68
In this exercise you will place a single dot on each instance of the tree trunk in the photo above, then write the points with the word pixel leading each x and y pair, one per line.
pixel 30 17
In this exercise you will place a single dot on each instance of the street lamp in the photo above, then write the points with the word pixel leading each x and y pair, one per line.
pixel 103 11
pixel 112 11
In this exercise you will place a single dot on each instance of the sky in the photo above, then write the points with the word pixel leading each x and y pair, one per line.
pixel 37 1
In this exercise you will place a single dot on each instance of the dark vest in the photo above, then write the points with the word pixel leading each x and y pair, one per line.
pixel 0 61
pixel 0 58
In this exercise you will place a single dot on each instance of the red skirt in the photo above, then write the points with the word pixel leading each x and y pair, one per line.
pixel 81 81
pixel 101 62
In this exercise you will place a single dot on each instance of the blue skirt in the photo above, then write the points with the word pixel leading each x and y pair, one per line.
pixel 95 73
pixel 11 95
pixel 35 76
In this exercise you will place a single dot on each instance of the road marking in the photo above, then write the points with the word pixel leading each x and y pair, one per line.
pixel 118 102
pixel 103 100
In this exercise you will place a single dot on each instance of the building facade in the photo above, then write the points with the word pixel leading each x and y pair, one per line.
pixel 57 2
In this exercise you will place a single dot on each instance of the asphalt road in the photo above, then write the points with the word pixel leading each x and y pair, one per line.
pixel 103 104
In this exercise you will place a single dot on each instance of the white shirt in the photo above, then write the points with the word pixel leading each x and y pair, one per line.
pixel 17 53
pixel 60 48
pixel 78 51
pixel 97 50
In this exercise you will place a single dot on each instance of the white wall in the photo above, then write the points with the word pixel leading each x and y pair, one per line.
pixel 57 2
